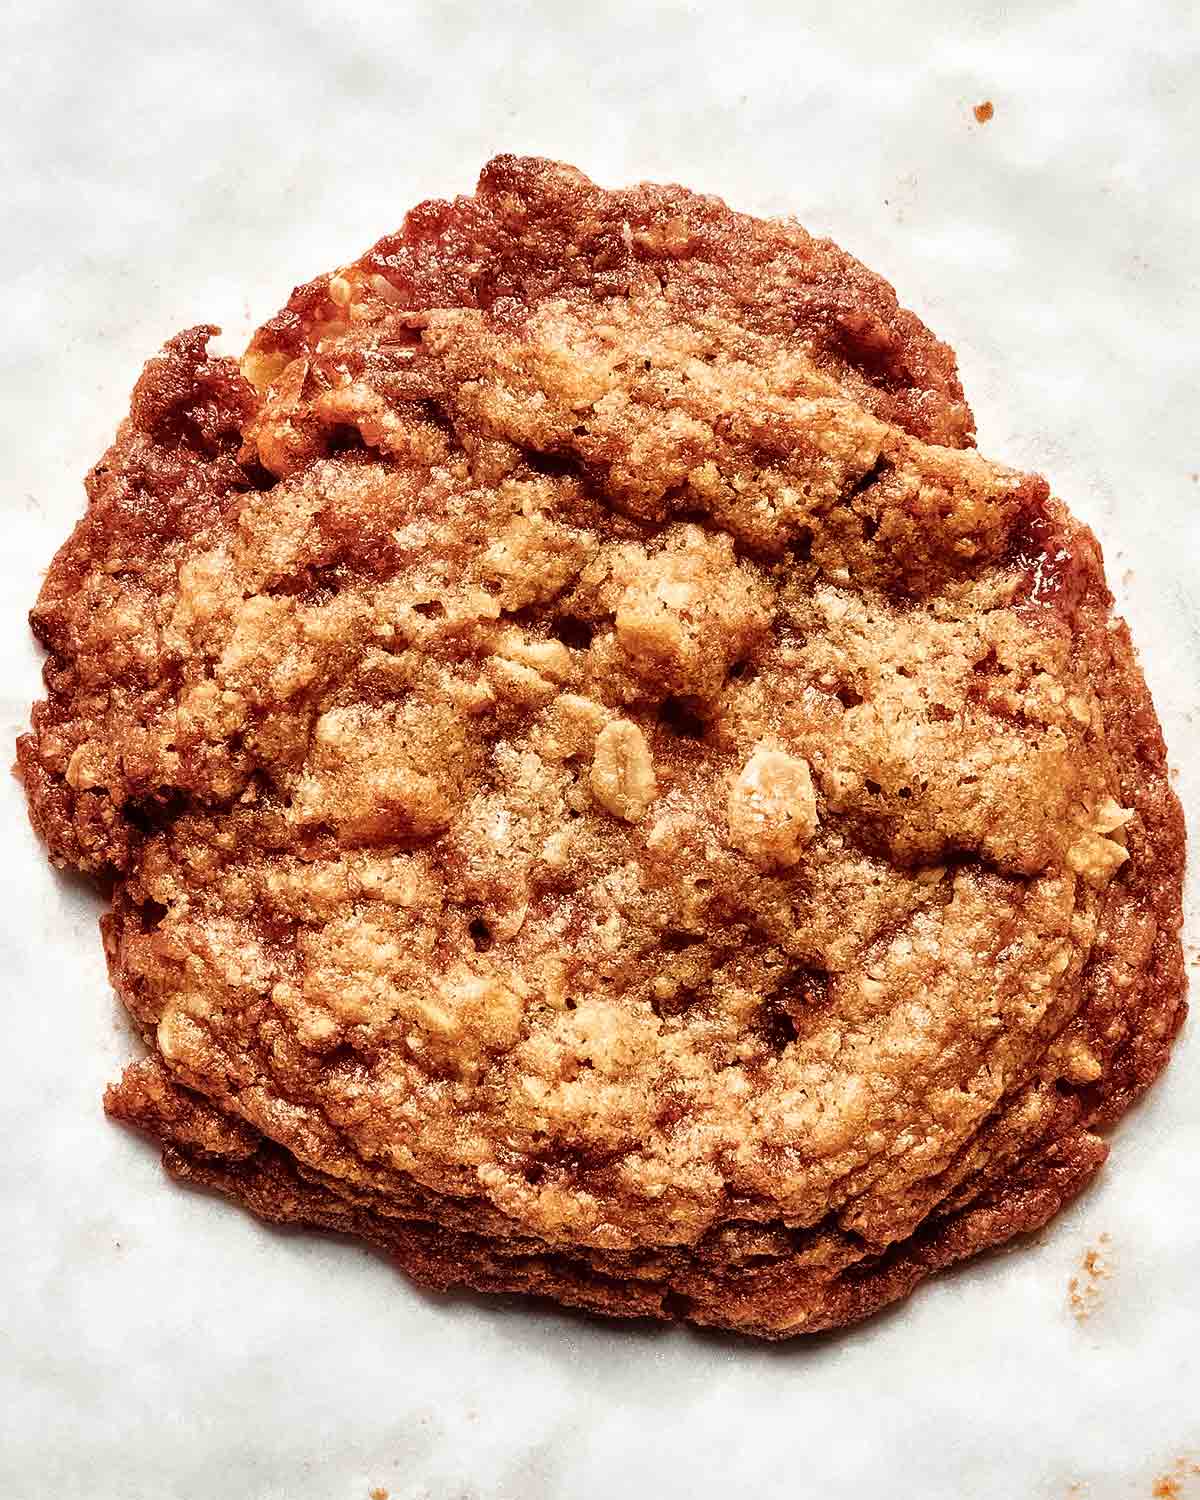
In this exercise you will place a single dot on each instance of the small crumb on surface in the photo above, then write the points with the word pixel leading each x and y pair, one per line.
pixel 379 1494
pixel 1173 1482
pixel 985 111
pixel 1084 1292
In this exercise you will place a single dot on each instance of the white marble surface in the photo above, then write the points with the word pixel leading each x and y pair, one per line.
pixel 168 164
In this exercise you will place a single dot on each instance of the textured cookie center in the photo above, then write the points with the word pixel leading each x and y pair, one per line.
pixel 609 680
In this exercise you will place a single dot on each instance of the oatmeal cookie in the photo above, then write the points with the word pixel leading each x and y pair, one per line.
pixel 605 793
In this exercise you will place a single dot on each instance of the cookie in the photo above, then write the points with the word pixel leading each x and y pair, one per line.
pixel 605 792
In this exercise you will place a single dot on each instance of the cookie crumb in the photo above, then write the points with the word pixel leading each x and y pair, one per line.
pixel 985 111
pixel 379 1493
pixel 1171 1484
pixel 1084 1292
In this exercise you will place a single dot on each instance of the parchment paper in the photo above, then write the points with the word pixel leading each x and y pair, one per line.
pixel 171 164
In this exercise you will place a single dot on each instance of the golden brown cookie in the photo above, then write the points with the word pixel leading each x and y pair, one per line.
pixel 605 792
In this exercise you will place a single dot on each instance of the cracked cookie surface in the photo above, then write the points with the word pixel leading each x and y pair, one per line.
pixel 606 793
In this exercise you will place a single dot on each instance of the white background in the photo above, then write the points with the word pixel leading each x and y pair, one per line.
pixel 166 164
